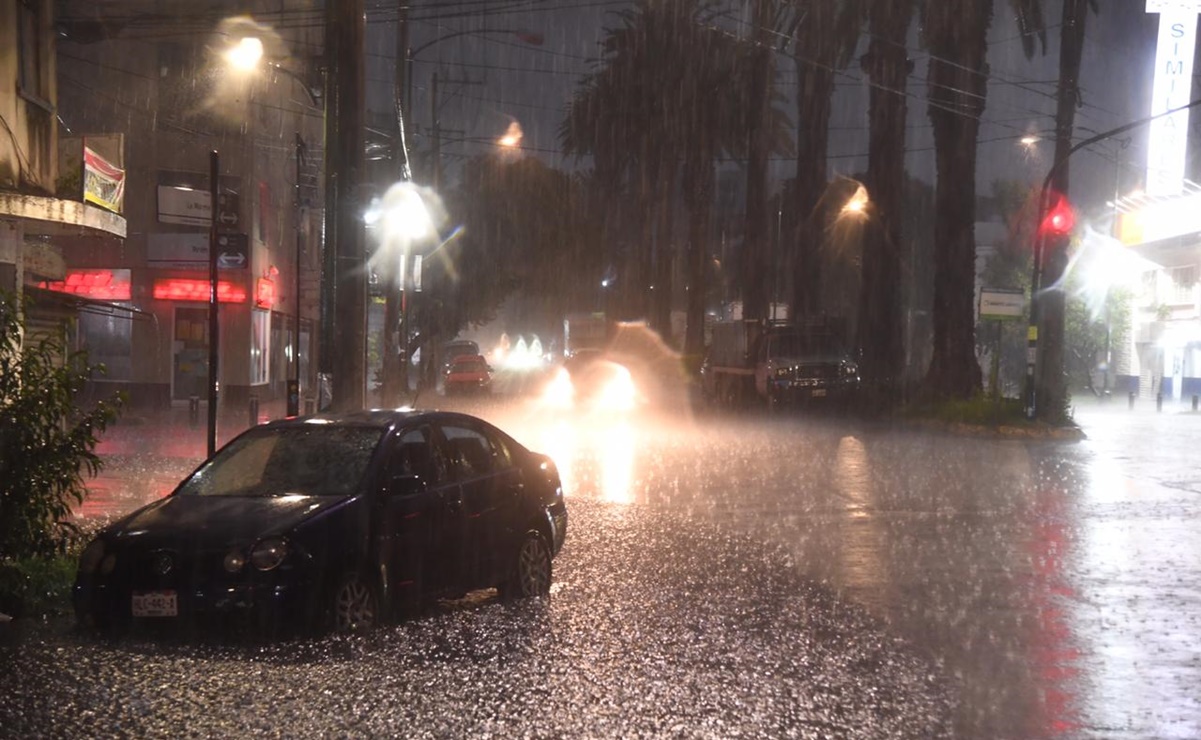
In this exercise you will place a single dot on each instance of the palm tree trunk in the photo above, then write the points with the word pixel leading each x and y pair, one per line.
pixel 698 189
pixel 815 88
pixel 754 293
pixel 664 253
pixel 1051 383
pixel 880 327
pixel 957 80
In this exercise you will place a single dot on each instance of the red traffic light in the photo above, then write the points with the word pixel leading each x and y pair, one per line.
pixel 1060 219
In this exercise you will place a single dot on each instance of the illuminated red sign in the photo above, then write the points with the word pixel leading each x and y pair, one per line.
pixel 105 285
pixel 180 289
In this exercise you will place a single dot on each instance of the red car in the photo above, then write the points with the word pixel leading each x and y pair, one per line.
pixel 468 374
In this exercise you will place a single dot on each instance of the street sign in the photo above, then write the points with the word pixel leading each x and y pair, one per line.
pixel 233 251
pixel 229 209
pixel 999 304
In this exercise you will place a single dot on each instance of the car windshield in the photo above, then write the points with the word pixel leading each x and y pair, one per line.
pixel 312 460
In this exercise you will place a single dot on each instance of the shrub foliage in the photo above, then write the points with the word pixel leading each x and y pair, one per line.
pixel 47 442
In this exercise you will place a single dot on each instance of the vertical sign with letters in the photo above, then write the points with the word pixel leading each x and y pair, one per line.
pixel 1171 89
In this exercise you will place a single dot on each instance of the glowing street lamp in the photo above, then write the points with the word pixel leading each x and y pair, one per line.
pixel 246 54
pixel 512 136
pixel 857 204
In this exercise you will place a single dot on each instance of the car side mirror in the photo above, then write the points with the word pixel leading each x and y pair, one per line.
pixel 405 484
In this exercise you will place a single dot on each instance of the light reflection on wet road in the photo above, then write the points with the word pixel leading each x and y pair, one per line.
pixel 1060 583
pixel 1056 586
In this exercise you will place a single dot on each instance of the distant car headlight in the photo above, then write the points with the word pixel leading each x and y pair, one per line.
pixel 782 371
pixel 560 391
pixel 234 560
pixel 619 393
pixel 89 559
pixel 269 553
pixel 850 370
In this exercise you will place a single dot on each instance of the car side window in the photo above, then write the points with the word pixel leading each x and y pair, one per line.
pixel 469 451
pixel 502 455
pixel 414 455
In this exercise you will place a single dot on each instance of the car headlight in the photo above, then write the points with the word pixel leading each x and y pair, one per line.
pixel 269 553
pixel 234 560
pixel 850 370
pixel 89 559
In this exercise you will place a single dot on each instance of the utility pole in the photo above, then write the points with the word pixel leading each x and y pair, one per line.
pixel 395 378
pixel 344 274
pixel 437 136
pixel 294 383
pixel 214 326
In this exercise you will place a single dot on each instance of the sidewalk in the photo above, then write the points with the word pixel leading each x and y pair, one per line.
pixel 146 454
pixel 175 432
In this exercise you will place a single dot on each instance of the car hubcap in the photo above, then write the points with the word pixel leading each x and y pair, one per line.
pixel 356 609
pixel 534 565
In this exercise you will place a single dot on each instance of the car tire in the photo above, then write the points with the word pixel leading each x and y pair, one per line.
pixel 531 570
pixel 354 606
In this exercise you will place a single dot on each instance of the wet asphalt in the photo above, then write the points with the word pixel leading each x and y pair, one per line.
pixel 732 577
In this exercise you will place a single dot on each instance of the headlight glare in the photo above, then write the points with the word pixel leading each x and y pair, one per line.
pixel 269 553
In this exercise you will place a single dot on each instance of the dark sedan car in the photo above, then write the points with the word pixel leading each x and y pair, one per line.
pixel 333 522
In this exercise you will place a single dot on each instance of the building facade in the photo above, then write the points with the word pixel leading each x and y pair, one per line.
pixel 165 87
pixel 42 204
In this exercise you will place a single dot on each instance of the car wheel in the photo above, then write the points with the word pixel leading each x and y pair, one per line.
pixel 355 607
pixel 531 570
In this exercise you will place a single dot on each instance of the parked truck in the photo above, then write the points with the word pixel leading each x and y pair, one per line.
pixel 778 363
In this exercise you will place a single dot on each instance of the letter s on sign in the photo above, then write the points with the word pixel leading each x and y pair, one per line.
pixel 1177 30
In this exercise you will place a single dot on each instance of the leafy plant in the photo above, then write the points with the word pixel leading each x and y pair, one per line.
pixel 47 442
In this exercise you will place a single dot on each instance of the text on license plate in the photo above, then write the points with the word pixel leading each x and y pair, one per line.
pixel 155 604
pixel 818 392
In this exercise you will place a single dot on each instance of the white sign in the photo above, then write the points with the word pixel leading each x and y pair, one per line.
pixel 187 251
pixel 997 304
pixel 1168 143
pixel 184 206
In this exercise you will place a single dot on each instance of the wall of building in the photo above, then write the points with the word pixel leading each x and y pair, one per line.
pixel 169 96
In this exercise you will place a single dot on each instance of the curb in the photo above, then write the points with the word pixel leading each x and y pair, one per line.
pixel 1002 431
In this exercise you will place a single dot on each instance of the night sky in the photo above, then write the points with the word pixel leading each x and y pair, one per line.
pixel 490 78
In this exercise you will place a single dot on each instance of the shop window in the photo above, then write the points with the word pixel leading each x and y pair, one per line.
pixel 260 346
pixel 108 339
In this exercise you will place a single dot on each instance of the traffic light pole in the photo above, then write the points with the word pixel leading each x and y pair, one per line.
pixel 1032 347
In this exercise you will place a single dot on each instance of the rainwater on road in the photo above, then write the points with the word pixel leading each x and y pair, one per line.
pixel 746 576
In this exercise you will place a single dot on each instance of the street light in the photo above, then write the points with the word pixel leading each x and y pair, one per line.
pixel 247 56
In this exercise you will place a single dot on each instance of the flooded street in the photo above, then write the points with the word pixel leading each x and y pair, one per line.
pixel 741 576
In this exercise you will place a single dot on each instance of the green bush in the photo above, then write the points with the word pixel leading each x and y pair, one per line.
pixel 37 585
pixel 47 442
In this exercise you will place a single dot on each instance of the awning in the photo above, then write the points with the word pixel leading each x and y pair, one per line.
pixel 58 217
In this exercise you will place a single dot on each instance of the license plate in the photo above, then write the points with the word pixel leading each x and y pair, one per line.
pixel 155 604
pixel 818 392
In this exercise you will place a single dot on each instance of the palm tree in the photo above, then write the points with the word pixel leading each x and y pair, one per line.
pixel 879 327
pixel 955 32
pixel 826 33
pixel 667 94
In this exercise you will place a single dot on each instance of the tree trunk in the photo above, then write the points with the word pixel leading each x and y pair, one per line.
pixel 1051 384
pixel 957 80
pixel 880 327
pixel 754 244
pixel 698 189
pixel 660 295
pixel 815 57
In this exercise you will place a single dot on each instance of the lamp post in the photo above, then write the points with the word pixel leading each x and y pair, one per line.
pixel 247 56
